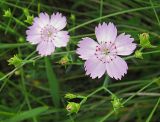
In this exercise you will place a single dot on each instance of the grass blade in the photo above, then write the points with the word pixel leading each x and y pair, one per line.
pixel 154 109
pixel 4 46
pixel 27 114
pixel 53 83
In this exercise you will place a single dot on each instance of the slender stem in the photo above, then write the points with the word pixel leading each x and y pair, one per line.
pixel 154 109
pixel 94 92
pixel 108 91
pixel 91 94
pixel 111 15
pixel 10 73
pixel 107 116
pixel 155 12
pixel 110 113
pixel 101 9
pixel 140 90
pixel 24 89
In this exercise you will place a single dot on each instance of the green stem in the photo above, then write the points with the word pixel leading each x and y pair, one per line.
pixel 101 9
pixel 109 114
pixel 154 109
pixel 155 12
pixel 111 15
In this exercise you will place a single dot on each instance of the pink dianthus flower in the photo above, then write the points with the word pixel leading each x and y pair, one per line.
pixel 103 56
pixel 47 33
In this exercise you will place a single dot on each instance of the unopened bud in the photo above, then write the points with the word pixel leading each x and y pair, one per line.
pixel 116 103
pixel 29 19
pixel 7 13
pixel 145 40
pixel 73 107
pixel 138 54
pixel 15 60
pixel 70 96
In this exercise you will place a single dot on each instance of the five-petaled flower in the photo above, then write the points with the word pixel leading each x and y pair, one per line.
pixel 103 56
pixel 47 33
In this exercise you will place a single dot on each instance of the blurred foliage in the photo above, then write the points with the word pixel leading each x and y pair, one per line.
pixel 25 95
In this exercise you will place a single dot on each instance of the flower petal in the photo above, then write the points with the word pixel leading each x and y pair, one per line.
pixel 117 67
pixel 45 48
pixel 58 21
pixel 34 39
pixel 106 33
pixel 42 20
pixel 87 48
pixel 33 34
pixel 61 39
pixel 94 67
pixel 124 45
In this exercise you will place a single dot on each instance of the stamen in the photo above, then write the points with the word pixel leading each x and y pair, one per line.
pixel 48 32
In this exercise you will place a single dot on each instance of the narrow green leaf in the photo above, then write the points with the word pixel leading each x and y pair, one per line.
pixel 3 46
pixel 53 83
pixel 27 114
pixel 152 112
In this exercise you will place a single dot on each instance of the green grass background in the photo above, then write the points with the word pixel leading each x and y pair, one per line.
pixel 34 91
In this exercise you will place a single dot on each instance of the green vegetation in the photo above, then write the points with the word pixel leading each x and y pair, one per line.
pixel 55 88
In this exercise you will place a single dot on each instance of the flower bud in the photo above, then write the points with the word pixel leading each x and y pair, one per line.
pixel 15 60
pixel 116 103
pixel 17 72
pixel 73 107
pixel 64 60
pixel 70 96
pixel 7 13
pixel 21 39
pixel 145 40
pixel 138 54
pixel 73 18
pixel 26 12
pixel 29 19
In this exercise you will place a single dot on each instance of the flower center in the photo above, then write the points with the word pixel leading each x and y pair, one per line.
pixel 104 52
pixel 48 33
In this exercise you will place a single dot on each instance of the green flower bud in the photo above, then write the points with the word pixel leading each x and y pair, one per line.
pixel 73 107
pixel 70 96
pixel 15 60
pixel 116 103
pixel 145 40
pixel 138 54
pixel 73 18
pixel 64 60
pixel 26 12
pixel 157 81
pixel 17 72
pixel 7 13
pixel 21 40
pixel 29 19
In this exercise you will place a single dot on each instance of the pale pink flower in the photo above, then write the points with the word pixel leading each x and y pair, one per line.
pixel 103 56
pixel 47 33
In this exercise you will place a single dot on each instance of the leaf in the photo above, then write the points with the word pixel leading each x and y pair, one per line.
pixel 27 114
pixel 53 83
pixel 4 45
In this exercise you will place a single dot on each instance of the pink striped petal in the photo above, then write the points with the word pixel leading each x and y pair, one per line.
pixel 33 34
pixel 58 21
pixel 34 39
pixel 61 39
pixel 116 68
pixel 124 45
pixel 106 33
pixel 94 67
pixel 87 48
pixel 42 20
pixel 45 48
